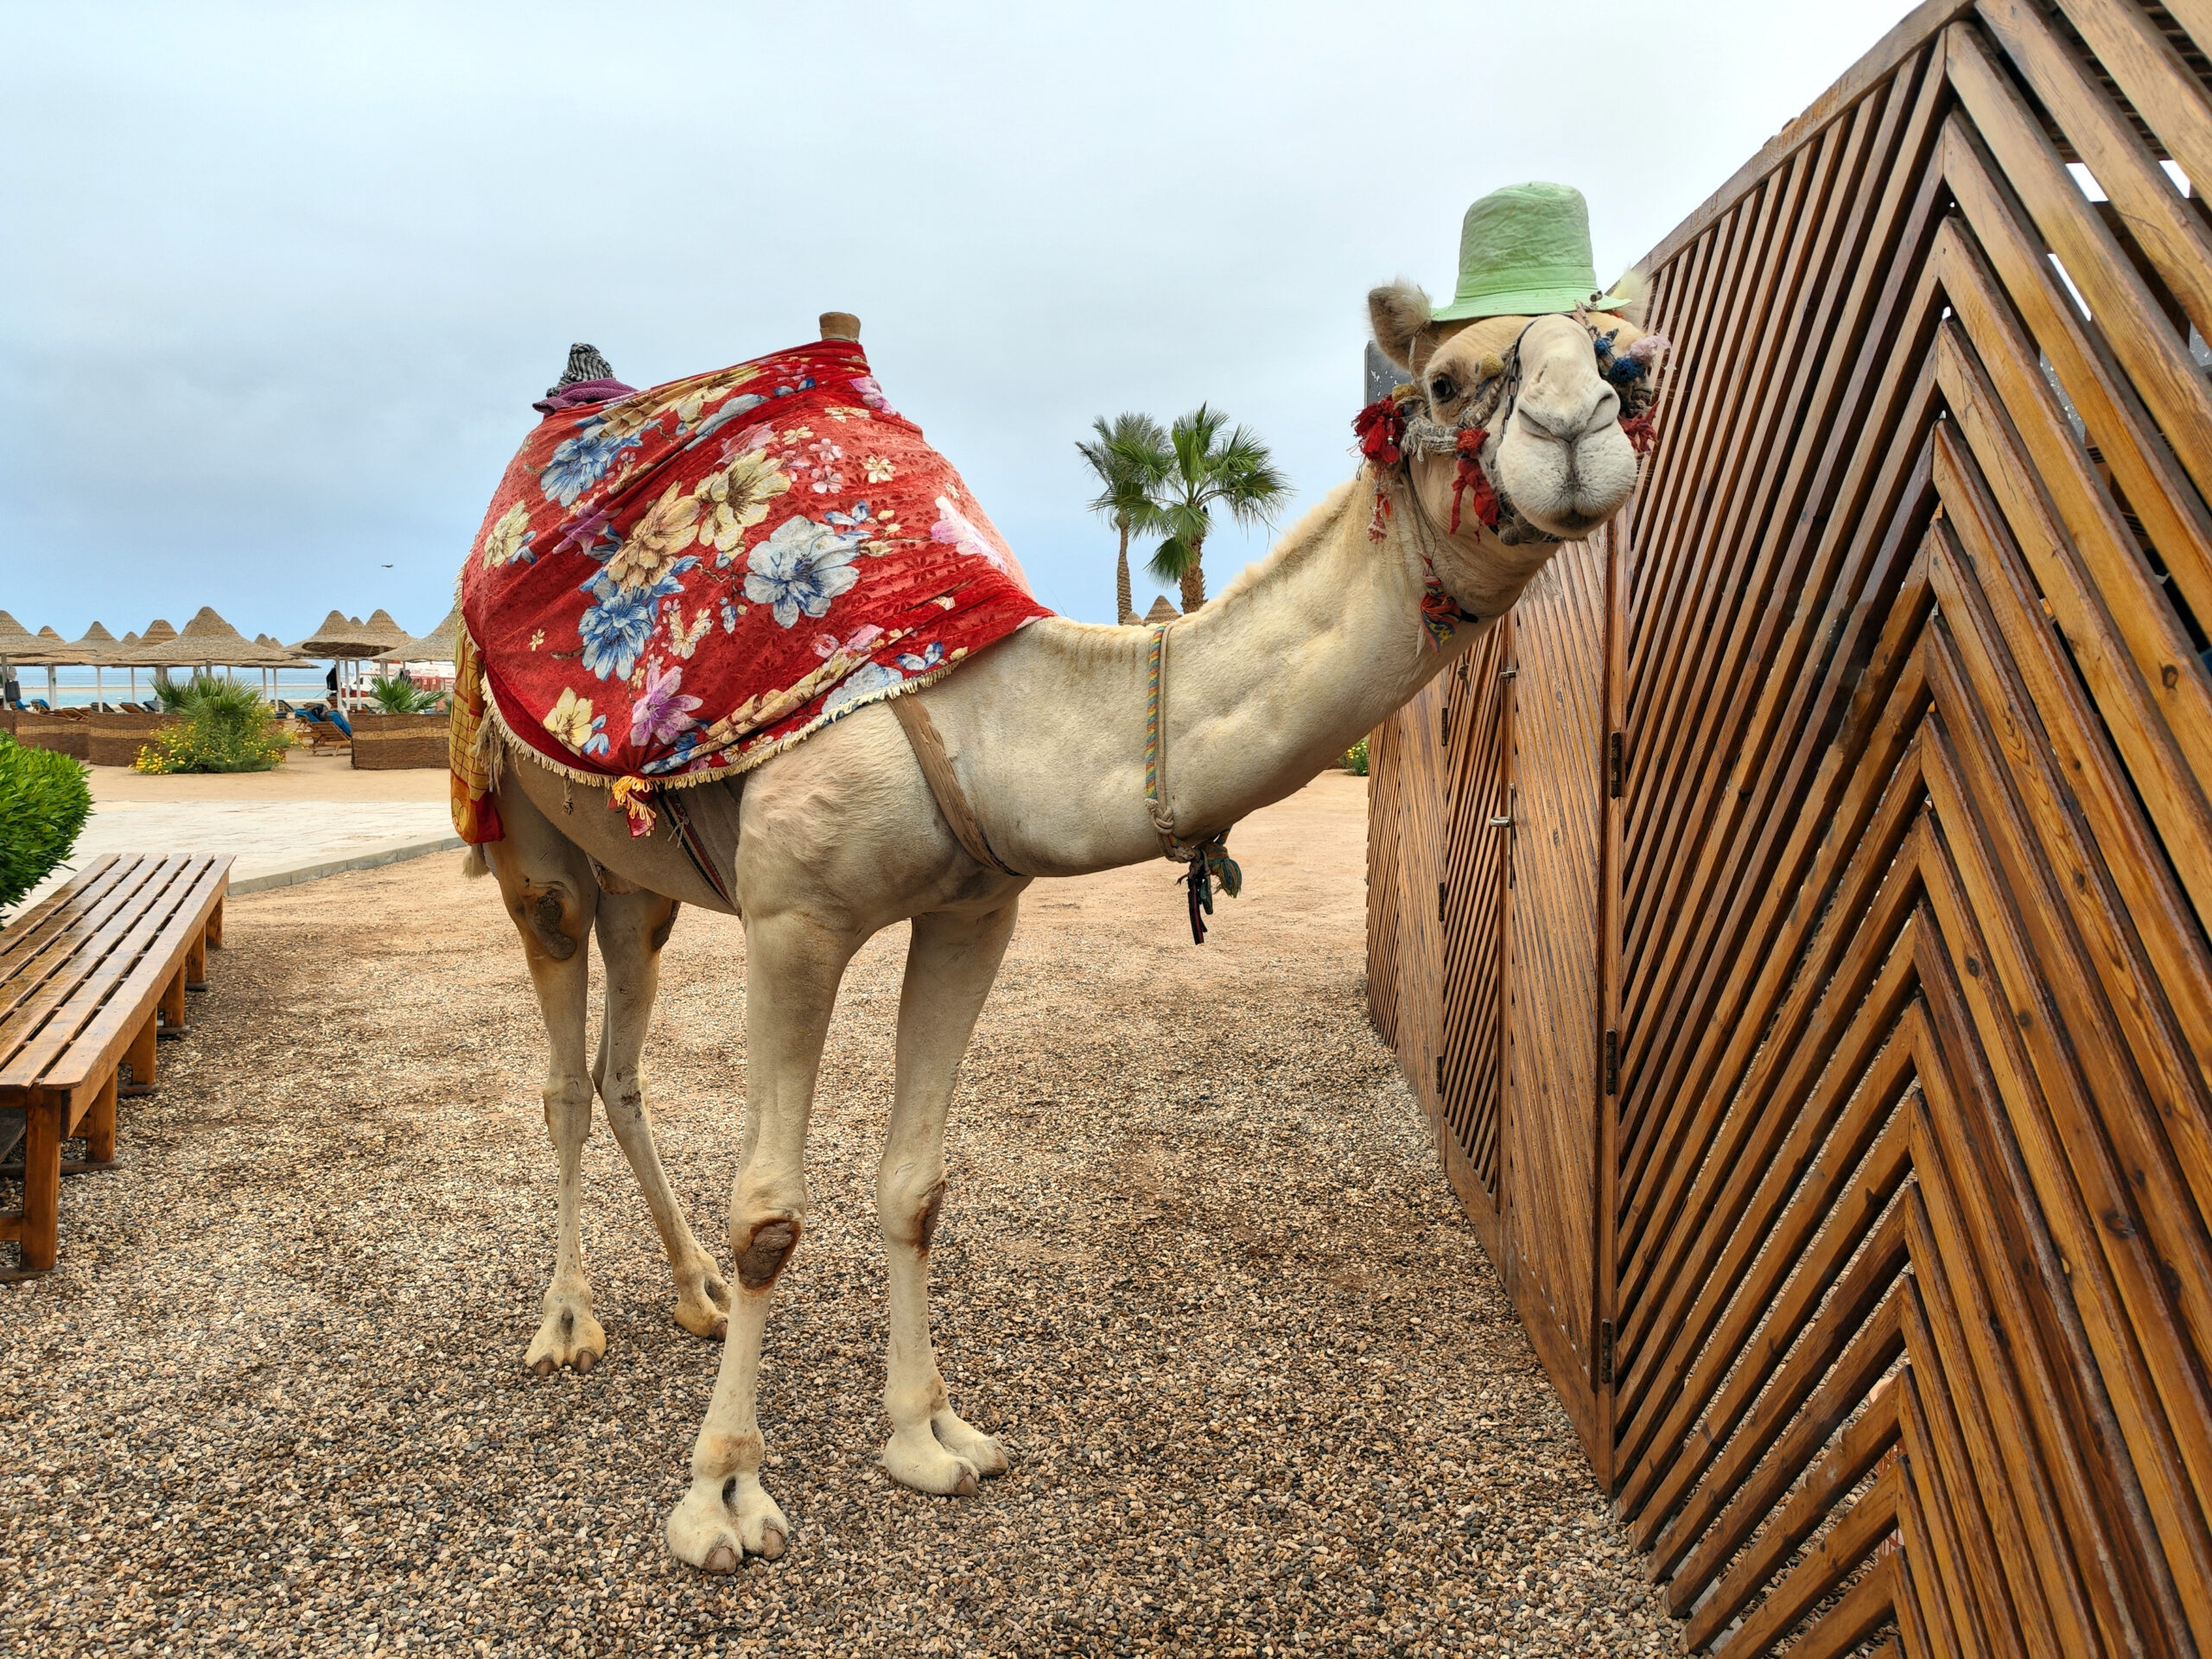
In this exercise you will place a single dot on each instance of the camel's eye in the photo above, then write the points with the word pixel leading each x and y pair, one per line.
pixel 1444 389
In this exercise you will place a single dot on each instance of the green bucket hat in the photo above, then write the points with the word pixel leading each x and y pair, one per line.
pixel 1524 252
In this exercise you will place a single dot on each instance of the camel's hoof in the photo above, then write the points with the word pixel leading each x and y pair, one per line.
pixel 967 1486
pixel 715 1534
pixel 965 1440
pixel 707 1314
pixel 569 1337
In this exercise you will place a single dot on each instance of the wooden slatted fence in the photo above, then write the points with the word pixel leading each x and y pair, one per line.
pixel 1794 918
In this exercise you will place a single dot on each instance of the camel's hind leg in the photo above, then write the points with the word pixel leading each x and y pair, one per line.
pixel 633 927
pixel 950 968
pixel 548 887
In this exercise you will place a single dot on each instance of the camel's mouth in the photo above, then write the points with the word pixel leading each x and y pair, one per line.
pixel 1571 524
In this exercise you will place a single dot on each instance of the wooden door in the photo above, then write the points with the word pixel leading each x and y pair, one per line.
pixel 1470 901
pixel 1552 1025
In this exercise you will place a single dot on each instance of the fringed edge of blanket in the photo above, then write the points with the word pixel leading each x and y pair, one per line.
pixel 495 718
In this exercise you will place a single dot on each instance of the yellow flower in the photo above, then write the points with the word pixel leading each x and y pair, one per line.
pixel 509 536
pixel 711 389
pixel 737 498
pixel 655 541
pixel 686 399
pixel 570 721
pixel 537 638
pixel 878 470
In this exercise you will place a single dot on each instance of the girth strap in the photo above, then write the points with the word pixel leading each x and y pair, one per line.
pixel 937 768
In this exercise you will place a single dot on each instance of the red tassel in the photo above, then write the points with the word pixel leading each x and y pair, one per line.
pixel 1642 436
pixel 1381 430
pixel 1470 478
pixel 1378 526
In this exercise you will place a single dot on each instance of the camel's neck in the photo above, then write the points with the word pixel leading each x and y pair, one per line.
pixel 1263 688
pixel 1294 663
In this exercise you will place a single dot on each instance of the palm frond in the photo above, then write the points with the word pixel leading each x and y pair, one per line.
pixel 1170 559
pixel 1128 456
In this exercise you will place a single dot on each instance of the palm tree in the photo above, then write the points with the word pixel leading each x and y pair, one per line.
pixel 1207 470
pixel 1129 457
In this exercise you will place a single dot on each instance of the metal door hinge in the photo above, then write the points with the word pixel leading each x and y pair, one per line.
pixel 1612 1062
pixel 1613 765
pixel 1604 1353
pixel 1509 670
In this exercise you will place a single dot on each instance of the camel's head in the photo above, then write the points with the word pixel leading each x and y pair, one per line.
pixel 1515 432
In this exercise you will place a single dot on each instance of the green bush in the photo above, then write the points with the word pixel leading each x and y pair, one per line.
pixel 400 695
pixel 1354 761
pixel 224 728
pixel 44 802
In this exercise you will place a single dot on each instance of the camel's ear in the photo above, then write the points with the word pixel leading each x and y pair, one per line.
pixel 1634 287
pixel 1398 313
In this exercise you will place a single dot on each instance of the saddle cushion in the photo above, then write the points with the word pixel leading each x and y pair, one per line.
pixel 674 586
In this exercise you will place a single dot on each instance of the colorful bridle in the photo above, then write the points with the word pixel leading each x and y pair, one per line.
pixel 1392 429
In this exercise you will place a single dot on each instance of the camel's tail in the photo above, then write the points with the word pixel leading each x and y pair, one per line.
pixel 472 863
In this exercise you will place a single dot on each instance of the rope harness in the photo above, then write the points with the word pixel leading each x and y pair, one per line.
pixel 1208 859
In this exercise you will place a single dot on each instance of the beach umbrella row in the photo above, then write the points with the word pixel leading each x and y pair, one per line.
pixel 208 641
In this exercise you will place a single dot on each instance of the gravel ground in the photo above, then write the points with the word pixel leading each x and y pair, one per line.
pixel 1197 1264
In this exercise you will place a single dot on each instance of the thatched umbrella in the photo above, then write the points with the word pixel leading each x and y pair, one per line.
pixel 125 656
pixel 340 639
pixel 20 647
pixel 269 655
pixel 53 650
pixel 16 641
pixel 95 649
pixel 436 646
pixel 343 641
pixel 206 640
pixel 1161 611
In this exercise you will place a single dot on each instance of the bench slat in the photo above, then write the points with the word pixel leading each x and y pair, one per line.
pixel 42 942
pixel 60 1040
pixel 52 912
pixel 111 1021
pixel 74 951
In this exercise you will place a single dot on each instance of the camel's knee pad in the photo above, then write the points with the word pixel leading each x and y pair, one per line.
pixel 761 1255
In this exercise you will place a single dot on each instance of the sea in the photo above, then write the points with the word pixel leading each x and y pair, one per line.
pixel 302 684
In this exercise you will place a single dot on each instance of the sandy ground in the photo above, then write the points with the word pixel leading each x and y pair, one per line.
pixel 1197 1264
pixel 303 777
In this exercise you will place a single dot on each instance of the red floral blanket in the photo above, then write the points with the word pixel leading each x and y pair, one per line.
pixel 672 587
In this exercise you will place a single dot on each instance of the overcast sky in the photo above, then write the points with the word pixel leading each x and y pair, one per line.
pixel 277 283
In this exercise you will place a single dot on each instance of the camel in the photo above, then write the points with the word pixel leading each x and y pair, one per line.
pixel 1384 585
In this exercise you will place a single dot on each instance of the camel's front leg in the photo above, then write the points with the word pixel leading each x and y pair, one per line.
pixel 792 967
pixel 950 968
pixel 633 927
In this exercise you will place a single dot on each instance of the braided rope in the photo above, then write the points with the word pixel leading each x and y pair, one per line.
pixel 1210 864
pixel 1162 819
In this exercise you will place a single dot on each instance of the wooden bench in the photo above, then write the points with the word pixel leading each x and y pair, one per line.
pixel 90 977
